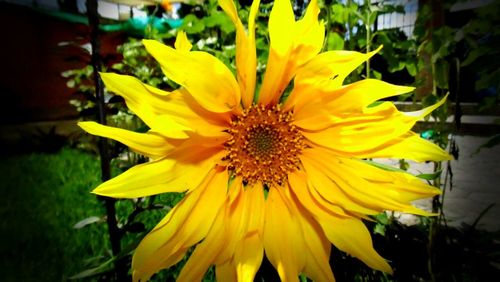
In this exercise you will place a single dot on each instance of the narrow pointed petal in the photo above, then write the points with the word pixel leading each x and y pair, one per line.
pixel 352 98
pixel 156 177
pixel 374 129
pixel 134 91
pixel 217 92
pixel 250 250
pixel 327 70
pixel 309 35
pixel 310 247
pixel 248 257
pixel 148 144
pixel 225 272
pixel 292 45
pixel 205 253
pixel 283 240
pixel 373 194
pixel 187 224
pixel 255 208
pixel 168 113
pixel 360 246
pixel 244 224
pixel 411 147
pixel 321 197
pixel 235 225
pixel 351 236
pixel 317 265
pixel 246 58
pixel 182 43
pixel 354 134
pixel 333 66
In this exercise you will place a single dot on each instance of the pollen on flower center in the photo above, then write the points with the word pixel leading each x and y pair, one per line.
pixel 264 146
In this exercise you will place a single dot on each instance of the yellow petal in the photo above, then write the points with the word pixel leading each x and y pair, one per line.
pixel 217 92
pixel 317 265
pixel 225 272
pixel 205 253
pixel 292 45
pixel 333 66
pixel 411 147
pixel 309 35
pixel 310 248
pixel 255 208
pixel 283 240
pixel 351 236
pixel 163 232
pixel 361 245
pixel 248 257
pixel 378 195
pixel 363 132
pixel 249 251
pixel 142 100
pixel 147 144
pixel 352 98
pixel 235 225
pixel 182 42
pixel 159 108
pixel 427 110
pixel 246 58
pixel 373 129
pixel 246 218
pixel 187 224
pixel 322 197
pixel 327 70
pixel 156 177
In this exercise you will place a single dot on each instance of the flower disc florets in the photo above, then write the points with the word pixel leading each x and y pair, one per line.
pixel 264 145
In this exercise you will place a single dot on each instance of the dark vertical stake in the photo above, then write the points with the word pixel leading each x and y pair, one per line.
pixel 114 232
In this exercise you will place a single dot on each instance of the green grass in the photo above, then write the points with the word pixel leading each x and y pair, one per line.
pixel 43 196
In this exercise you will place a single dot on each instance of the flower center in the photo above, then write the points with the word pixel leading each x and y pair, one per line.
pixel 264 145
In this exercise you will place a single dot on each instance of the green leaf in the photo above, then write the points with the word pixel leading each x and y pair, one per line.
pixel 372 17
pixel 430 176
pixel 411 68
pixel 382 218
pixel 376 74
pixel 383 166
pixel 339 14
pixel 335 41
pixel 379 229
pixel 87 221
pixel 103 268
pixel 192 24
pixel 399 65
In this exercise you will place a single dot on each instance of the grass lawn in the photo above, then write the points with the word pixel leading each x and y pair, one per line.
pixel 43 196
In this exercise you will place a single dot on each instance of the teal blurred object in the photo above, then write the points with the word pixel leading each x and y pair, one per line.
pixel 427 134
pixel 137 26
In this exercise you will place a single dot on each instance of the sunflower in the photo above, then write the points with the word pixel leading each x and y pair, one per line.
pixel 280 172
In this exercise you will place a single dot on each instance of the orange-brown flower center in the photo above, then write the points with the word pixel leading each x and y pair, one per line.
pixel 264 145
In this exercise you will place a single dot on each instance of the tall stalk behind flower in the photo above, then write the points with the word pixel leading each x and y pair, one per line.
pixel 265 174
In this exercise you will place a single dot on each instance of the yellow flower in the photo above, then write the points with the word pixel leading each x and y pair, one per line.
pixel 265 174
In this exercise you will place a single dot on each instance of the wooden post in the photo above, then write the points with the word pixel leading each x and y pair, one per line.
pixel 114 231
